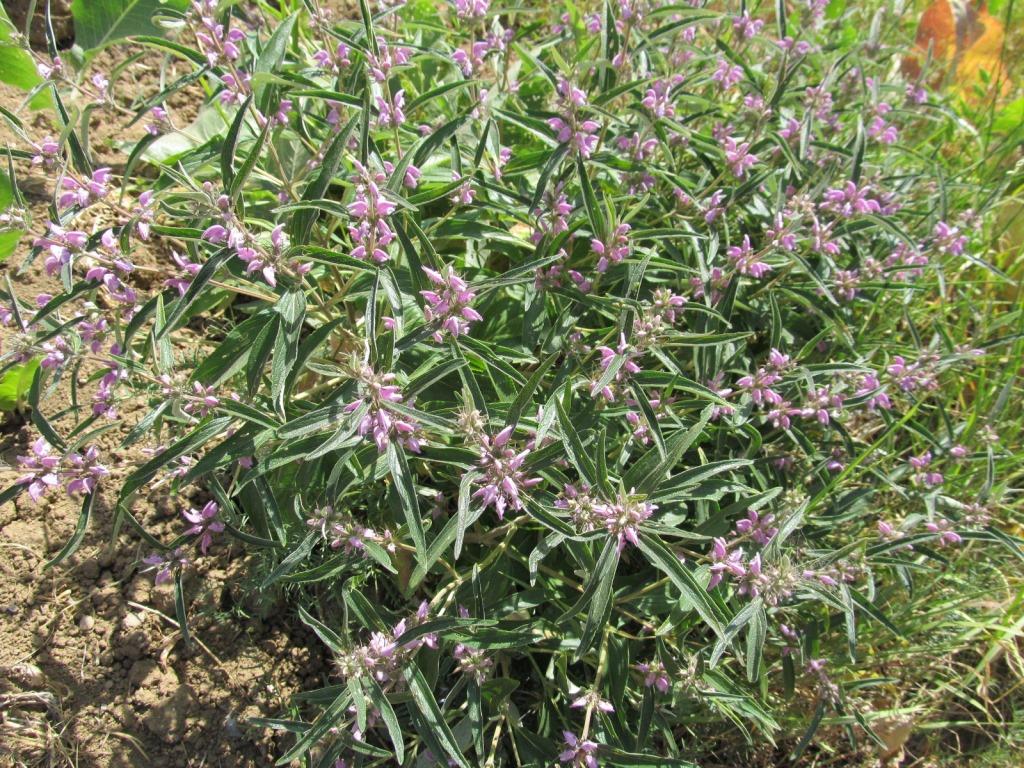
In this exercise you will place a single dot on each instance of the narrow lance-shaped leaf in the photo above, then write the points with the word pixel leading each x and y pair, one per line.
pixel 404 487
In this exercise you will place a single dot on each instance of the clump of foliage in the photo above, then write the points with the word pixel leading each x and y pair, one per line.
pixel 580 380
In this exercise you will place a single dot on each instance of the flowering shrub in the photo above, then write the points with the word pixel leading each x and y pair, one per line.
pixel 578 380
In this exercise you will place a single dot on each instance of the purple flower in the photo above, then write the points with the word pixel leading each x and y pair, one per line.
pixel 759 387
pixel 614 249
pixel 447 307
pixel 43 470
pixel 745 27
pixel 503 478
pixel 849 200
pixel 387 59
pixel 84 471
pixel 370 233
pixel 204 524
pixel 921 475
pixel 160 122
pixel 471 9
pixel 628 367
pixel 713 208
pixel 201 401
pixel 463 194
pixel 382 657
pixel 738 157
pixel 823 405
pixel 103 397
pixel 578 753
pixel 760 529
pixel 592 700
pixel 746 260
pixel 51 71
pixel 913 376
pixel 948 239
pixel 47 153
pixel 188 269
pixel 84 193
pixel 473 662
pixel 216 42
pixel 655 675
pixel 472 62
pixel 165 565
pixel 390 113
pixel 657 99
pixel 727 75
pixel 553 218
pixel 382 424
pixel 944 528
pixel 570 128
pixel 868 385
pixel 623 518
pixel 718 283
pixel 724 561
pixel 333 62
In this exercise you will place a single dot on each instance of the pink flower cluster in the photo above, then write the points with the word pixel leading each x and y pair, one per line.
pixel 383 657
pixel 346 533
pixel 84 193
pixel 578 132
pixel 577 752
pixel 370 210
pixel 448 304
pixel 382 424
pixel 77 472
pixel 503 478
pixel 204 524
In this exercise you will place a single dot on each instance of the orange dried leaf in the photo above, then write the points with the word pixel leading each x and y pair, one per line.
pixel 964 44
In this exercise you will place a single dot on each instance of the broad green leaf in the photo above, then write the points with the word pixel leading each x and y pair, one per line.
pixel 99 23
pixel 16 383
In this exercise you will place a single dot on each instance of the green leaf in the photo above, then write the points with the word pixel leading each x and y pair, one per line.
pixel 79 533
pixel 650 469
pixel 292 309
pixel 327 635
pixel 574 448
pixel 6 191
pixel 739 621
pixel 465 516
pixel 16 383
pixel 195 288
pixel 17 67
pixel 230 145
pixel 600 606
pixel 756 635
pixel 387 713
pixel 684 580
pixel 327 720
pixel 189 443
pixel 617 757
pixel 101 22
pixel 272 55
pixel 597 221
pixel 403 486
pixel 294 558
pixel 9 242
pixel 180 610
pixel 426 704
